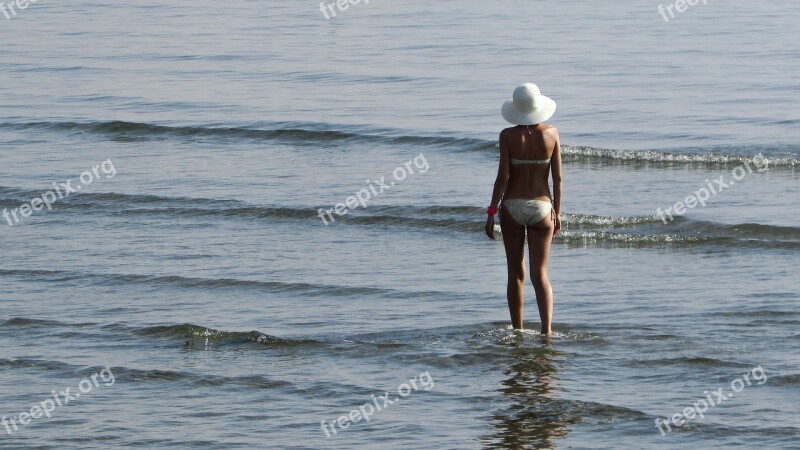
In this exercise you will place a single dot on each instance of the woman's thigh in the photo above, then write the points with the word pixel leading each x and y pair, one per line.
pixel 513 241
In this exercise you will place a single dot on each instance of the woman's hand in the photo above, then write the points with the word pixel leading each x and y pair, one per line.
pixel 490 226
pixel 557 223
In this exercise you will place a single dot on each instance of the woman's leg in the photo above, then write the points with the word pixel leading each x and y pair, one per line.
pixel 514 243
pixel 539 238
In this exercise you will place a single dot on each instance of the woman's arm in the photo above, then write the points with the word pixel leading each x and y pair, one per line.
pixel 556 168
pixel 501 182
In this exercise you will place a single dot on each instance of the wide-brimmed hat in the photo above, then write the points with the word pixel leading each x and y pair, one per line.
pixel 528 106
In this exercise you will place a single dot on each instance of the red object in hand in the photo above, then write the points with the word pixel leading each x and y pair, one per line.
pixel 491 211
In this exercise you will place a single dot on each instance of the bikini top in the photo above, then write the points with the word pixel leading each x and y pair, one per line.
pixel 530 161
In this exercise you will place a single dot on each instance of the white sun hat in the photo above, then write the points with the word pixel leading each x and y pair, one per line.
pixel 528 106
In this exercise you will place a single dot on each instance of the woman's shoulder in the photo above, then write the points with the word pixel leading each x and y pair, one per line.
pixel 547 127
pixel 542 127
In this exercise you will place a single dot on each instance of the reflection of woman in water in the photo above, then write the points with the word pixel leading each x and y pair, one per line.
pixel 528 152
pixel 535 417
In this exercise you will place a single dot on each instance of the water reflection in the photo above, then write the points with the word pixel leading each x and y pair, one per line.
pixel 535 418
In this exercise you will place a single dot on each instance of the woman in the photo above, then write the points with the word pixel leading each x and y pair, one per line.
pixel 528 152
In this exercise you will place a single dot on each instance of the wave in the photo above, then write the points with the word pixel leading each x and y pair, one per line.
pixel 204 283
pixel 763 313
pixel 186 331
pixel 285 132
pixel 784 380
pixel 697 362
pixel 776 156
pixel 580 229
pixel 198 335
pixel 705 158
pixel 591 238
pixel 161 281
pixel 482 339
pixel 127 374
pixel 33 323
pixel 31 363
pixel 190 334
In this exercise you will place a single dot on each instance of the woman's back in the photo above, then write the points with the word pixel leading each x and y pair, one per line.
pixel 530 160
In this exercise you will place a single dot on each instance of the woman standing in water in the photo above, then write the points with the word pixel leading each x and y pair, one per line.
pixel 529 153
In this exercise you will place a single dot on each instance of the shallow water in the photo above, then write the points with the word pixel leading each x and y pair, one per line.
pixel 200 275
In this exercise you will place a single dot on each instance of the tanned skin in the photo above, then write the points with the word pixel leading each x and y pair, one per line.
pixel 528 181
